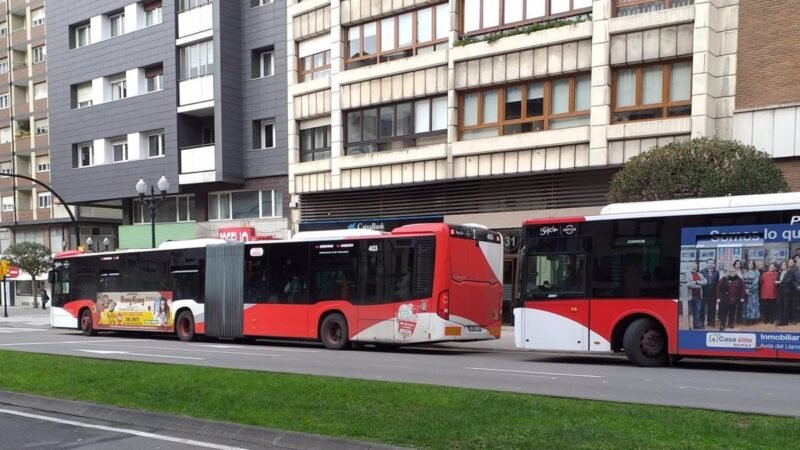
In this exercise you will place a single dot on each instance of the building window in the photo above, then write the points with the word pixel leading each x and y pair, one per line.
pixel 266 64
pixel 40 91
pixel 119 148
pixel 197 60
pixel 152 13
pixel 524 107
pixel 85 155
pixel 263 134
pixel 179 208
pixel 81 35
pixel 631 7
pixel 39 54
pixel 483 16
pixel 5 168
pixel 257 3
pixel 421 31
pixel 154 78
pixel 44 200
pixel 37 17
pixel 83 95
pixel 4 101
pixel 8 204
pixel 41 126
pixel 396 126
pixel 184 5
pixel 245 205
pixel 4 65
pixel 119 87
pixel 314 66
pixel 315 143
pixel 3 29
pixel 652 92
pixel 43 164
pixel 5 135
pixel 116 24
pixel 155 144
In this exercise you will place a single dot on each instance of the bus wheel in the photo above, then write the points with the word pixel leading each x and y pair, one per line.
pixel 87 325
pixel 184 326
pixel 645 343
pixel 333 332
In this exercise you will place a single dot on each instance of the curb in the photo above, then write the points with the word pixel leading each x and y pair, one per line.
pixel 186 427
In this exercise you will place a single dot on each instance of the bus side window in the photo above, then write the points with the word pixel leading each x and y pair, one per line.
pixel 400 274
pixel 255 277
pixel 371 272
pixel 333 271
pixel 288 274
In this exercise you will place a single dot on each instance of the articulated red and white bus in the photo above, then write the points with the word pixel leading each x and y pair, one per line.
pixel 418 284
pixel 661 280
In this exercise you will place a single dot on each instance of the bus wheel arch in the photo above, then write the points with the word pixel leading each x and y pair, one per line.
pixel 644 340
pixel 333 330
pixel 185 325
pixel 86 322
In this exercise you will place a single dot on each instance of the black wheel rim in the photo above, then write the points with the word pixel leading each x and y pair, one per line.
pixel 86 322
pixel 184 327
pixel 652 342
pixel 334 332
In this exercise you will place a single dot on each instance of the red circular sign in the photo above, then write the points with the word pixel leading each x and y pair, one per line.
pixel 13 271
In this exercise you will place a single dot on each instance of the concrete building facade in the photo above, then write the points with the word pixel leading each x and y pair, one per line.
pixel 192 90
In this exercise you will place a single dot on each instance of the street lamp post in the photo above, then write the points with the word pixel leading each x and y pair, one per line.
pixel 152 202
pixel 105 243
pixel 89 244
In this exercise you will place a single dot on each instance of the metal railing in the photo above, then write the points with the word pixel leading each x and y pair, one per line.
pixel 631 7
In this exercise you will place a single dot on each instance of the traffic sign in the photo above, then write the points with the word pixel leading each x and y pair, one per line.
pixel 13 271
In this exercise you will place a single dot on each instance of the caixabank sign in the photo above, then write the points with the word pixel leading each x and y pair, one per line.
pixel 378 224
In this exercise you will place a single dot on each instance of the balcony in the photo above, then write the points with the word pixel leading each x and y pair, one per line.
pixel 41 141
pixel 194 21
pixel 196 94
pixel 19 36
pixel 631 7
pixel 23 142
pixel 197 164
pixel 20 71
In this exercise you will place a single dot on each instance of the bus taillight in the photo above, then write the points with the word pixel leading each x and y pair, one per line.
pixel 443 307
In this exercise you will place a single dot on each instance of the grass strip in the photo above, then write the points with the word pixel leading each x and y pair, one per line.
pixel 422 416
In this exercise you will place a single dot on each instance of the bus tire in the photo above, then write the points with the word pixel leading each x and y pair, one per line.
pixel 87 324
pixel 184 326
pixel 645 343
pixel 333 332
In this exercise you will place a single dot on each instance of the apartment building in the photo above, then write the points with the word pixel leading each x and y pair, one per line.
pixel 494 111
pixel 30 213
pixel 191 90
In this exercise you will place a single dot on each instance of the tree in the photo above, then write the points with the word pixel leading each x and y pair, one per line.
pixel 702 167
pixel 33 258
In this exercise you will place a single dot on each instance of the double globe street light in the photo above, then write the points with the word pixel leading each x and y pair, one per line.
pixel 153 201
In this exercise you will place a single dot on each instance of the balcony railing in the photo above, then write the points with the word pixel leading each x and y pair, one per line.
pixel 196 90
pixel 195 20
pixel 199 158
pixel 631 7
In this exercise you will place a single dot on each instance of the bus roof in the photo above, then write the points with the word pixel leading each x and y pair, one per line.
pixel 686 207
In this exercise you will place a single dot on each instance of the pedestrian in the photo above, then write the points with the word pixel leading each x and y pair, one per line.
pixel 45 298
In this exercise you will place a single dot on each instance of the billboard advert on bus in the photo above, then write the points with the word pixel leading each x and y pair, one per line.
pixel 740 288
pixel 146 310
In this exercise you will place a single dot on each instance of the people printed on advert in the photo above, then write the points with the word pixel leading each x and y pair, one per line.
pixel 741 285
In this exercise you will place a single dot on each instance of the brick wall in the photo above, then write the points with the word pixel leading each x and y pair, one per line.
pixel 769 49
pixel 791 170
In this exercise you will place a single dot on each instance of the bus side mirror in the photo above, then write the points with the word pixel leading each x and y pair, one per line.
pixel 51 276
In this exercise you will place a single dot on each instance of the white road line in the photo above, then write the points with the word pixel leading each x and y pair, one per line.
pixel 13 329
pixel 112 352
pixel 534 373
pixel 276 349
pixel 178 349
pixel 122 430
pixel 55 342
pixel 704 388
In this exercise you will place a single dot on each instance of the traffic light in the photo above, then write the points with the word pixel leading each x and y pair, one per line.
pixel 3 268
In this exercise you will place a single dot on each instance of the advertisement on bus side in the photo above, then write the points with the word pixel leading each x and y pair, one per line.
pixel 740 288
pixel 146 310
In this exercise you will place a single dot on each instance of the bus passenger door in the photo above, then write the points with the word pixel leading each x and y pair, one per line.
pixel 556 313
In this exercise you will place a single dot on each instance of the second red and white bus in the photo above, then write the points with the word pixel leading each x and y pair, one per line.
pixel 418 284
pixel 655 280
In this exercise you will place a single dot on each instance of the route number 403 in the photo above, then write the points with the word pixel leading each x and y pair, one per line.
pixel 372 248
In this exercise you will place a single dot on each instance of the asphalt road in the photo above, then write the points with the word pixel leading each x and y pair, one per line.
pixel 769 388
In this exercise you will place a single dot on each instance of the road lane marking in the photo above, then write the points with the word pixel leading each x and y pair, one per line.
pixel 704 388
pixel 116 352
pixel 122 431
pixel 178 349
pixel 55 342
pixel 276 349
pixel 534 373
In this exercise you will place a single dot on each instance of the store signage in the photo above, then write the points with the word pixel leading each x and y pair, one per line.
pixel 241 234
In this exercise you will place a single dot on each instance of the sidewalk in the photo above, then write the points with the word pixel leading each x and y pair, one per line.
pixel 26 315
